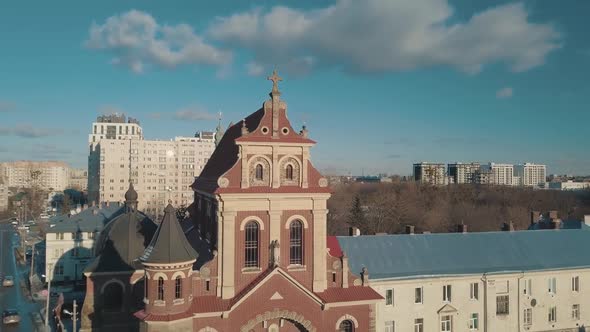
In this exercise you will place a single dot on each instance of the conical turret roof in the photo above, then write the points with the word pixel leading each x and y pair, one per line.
pixel 169 244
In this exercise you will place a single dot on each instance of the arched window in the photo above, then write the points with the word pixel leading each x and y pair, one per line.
pixel 113 297
pixel 146 282
pixel 161 289
pixel 251 244
pixel 296 243
pixel 289 172
pixel 178 288
pixel 259 172
pixel 346 326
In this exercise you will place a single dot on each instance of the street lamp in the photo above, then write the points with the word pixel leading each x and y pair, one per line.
pixel 48 278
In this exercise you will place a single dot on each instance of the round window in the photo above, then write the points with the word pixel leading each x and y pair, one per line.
pixel 264 130
pixel 285 130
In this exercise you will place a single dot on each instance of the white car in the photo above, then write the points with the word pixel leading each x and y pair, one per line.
pixel 10 316
pixel 8 281
pixel 14 222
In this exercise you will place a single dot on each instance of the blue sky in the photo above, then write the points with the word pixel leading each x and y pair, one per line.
pixel 380 83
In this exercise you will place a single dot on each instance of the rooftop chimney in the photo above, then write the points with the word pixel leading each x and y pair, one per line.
pixel 462 228
pixel 535 216
pixel 555 223
pixel 508 226
pixel 410 229
pixel 553 214
pixel 354 231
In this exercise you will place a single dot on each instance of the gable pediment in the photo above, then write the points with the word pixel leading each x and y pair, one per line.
pixel 447 308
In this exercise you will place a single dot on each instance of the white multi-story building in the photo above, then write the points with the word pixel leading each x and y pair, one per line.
pixel 160 170
pixel 464 172
pixel 530 174
pixel 70 240
pixel 115 126
pixel 44 174
pixel 501 174
pixel 494 281
pixel 431 173
pixel 569 185
pixel 3 196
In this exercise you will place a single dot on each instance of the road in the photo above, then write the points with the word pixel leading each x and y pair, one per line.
pixel 13 297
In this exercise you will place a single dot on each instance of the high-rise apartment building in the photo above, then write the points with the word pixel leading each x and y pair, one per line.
pixel 501 174
pixel 115 126
pixel 431 173
pixel 160 170
pixel 3 196
pixel 464 172
pixel 27 174
pixel 531 174
pixel 78 179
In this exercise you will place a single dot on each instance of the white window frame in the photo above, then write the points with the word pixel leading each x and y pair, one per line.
pixel 446 323
pixel 527 316
pixel 552 285
pixel 576 284
pixel 527 288
pixel 474 321
pixel 419 325
pixel 421 290
pixel 447 293
pixel 389 299
pixel 474 291
pixel 575 311
pixel 390 326
pixel 552 314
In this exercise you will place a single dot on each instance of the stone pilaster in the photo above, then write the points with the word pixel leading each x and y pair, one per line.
pixel 304 161
pixel 275 167
pixel 275 225
pixel 227 254
pixel 319 249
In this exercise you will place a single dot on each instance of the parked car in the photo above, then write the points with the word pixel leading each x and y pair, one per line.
pixel 44 216
pixel 8 281
pixel 10 316
pixel 14 222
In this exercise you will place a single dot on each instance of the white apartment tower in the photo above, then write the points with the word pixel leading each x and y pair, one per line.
pixel 431 173
pixel 160 170
pixel 464 172
pixel 27 174
pixel 501 174
pixel 531 174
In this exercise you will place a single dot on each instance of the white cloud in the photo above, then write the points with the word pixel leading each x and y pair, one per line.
pixel 194 113
pixel 504 93
pixel 387 35
pixel 28 131
pixel 136 40
pixel 254 69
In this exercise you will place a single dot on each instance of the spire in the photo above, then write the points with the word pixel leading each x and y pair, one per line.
pixel 169 244
pixel 219 130
pixel 276 104
pixel 131 197
pixel 244 128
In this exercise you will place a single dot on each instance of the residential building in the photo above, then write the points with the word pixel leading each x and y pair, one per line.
pixel 70 241
pixel 475 281
pixel 531 175
pixel 483 176
pixel 431 173
pixel 44 174
pixel 3 196
pixel 115 126
pixel 78 179
pixel 464 172
pixel 501 174
pixel 569 185
pixel 159 169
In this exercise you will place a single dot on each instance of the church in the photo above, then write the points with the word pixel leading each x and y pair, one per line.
pixel 253 256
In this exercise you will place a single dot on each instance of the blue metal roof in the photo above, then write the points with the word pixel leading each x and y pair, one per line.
pixel 422 255
pixel 87 220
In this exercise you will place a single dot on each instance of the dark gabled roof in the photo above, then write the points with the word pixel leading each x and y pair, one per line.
pixel 169 244
pixel 424 255
pixel 89 220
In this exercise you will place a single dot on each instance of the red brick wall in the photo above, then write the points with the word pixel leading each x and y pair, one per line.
pixel 243 279
pixel 169 293
pixel 304 277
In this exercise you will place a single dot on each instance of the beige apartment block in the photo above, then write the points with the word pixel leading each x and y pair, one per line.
pixel 160 170
pixel 45 174
pixel 530 174
pixel 501 174
pixel 3 196
pixel 78 179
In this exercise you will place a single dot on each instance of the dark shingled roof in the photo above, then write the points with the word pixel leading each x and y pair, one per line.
pixel 122 242
pixel 169 244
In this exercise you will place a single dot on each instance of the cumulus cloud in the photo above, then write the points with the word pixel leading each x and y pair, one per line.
pixel 388 35
pixel 504 93
pixel 29 131
pixel 254 69
pixel 136 40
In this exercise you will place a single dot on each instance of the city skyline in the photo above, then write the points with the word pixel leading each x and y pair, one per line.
pixel 522 102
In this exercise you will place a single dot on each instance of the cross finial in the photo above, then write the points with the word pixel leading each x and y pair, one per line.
pixel 275 78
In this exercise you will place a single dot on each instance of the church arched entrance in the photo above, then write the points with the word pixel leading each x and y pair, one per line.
pixel 281 321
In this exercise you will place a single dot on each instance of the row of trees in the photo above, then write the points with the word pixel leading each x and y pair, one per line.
pixel 388 208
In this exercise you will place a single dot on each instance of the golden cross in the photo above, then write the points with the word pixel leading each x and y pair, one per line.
pixel 275 80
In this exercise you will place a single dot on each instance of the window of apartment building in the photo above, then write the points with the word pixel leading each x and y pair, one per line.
pixel 390 326
pixel 502 305
pixel 389 297
pixel 552 317
pixel 419 325
pixel 474 322
pixel 474 291
pixel 527 287
pixel 418 295
pixel 527 316
pixel 575 284
pixel 447 293
pixel 59 236
pixel 446 323
pixel 552 285
pixel 91 235
pixel 576 312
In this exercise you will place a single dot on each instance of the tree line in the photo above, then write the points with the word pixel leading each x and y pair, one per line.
pixel 389 207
